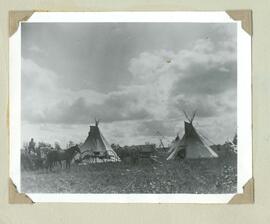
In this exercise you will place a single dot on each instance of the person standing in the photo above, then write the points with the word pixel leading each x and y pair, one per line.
pixel 31 147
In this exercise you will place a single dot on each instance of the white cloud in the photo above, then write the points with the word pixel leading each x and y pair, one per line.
pixel 41 91
pixel 157 74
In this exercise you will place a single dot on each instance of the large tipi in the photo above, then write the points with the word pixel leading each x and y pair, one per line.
pixel 191 145
pixel 96 146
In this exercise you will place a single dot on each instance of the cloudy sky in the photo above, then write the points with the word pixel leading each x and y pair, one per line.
pixel 137 78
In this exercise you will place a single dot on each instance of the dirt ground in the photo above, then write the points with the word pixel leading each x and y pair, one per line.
pixel 185 176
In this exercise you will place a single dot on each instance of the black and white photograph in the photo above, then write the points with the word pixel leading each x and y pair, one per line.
pixel 129 108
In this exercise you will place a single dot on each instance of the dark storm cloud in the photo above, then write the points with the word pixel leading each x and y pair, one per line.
pixel 96 55
pixel 200 79
pixel 203 106
pixel 201 88
pixel 83 55
pixel 79 112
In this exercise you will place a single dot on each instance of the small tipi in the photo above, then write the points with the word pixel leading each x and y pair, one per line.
pixel 191 145
pixel 97 146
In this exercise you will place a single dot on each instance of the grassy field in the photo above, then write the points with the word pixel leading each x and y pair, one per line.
pixel 185 176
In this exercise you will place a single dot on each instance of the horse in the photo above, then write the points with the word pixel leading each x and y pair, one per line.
pixel 67 155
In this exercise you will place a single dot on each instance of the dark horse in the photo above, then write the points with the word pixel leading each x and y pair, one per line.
pixel 67 155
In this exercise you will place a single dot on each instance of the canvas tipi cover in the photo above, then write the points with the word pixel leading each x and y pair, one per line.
pixel 192 144
pixel 96 144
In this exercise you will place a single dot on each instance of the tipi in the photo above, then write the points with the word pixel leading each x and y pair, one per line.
pixel 191 145
pixel 96 146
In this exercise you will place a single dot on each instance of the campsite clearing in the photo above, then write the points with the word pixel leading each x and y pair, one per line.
pixel 217 175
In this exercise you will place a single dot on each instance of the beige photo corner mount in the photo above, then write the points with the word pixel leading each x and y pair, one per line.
pixel 247 197
pixel 245 16
pixel 15 17
pixel 15 197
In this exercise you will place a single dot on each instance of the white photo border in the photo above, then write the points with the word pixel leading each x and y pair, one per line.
pixel 244 116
